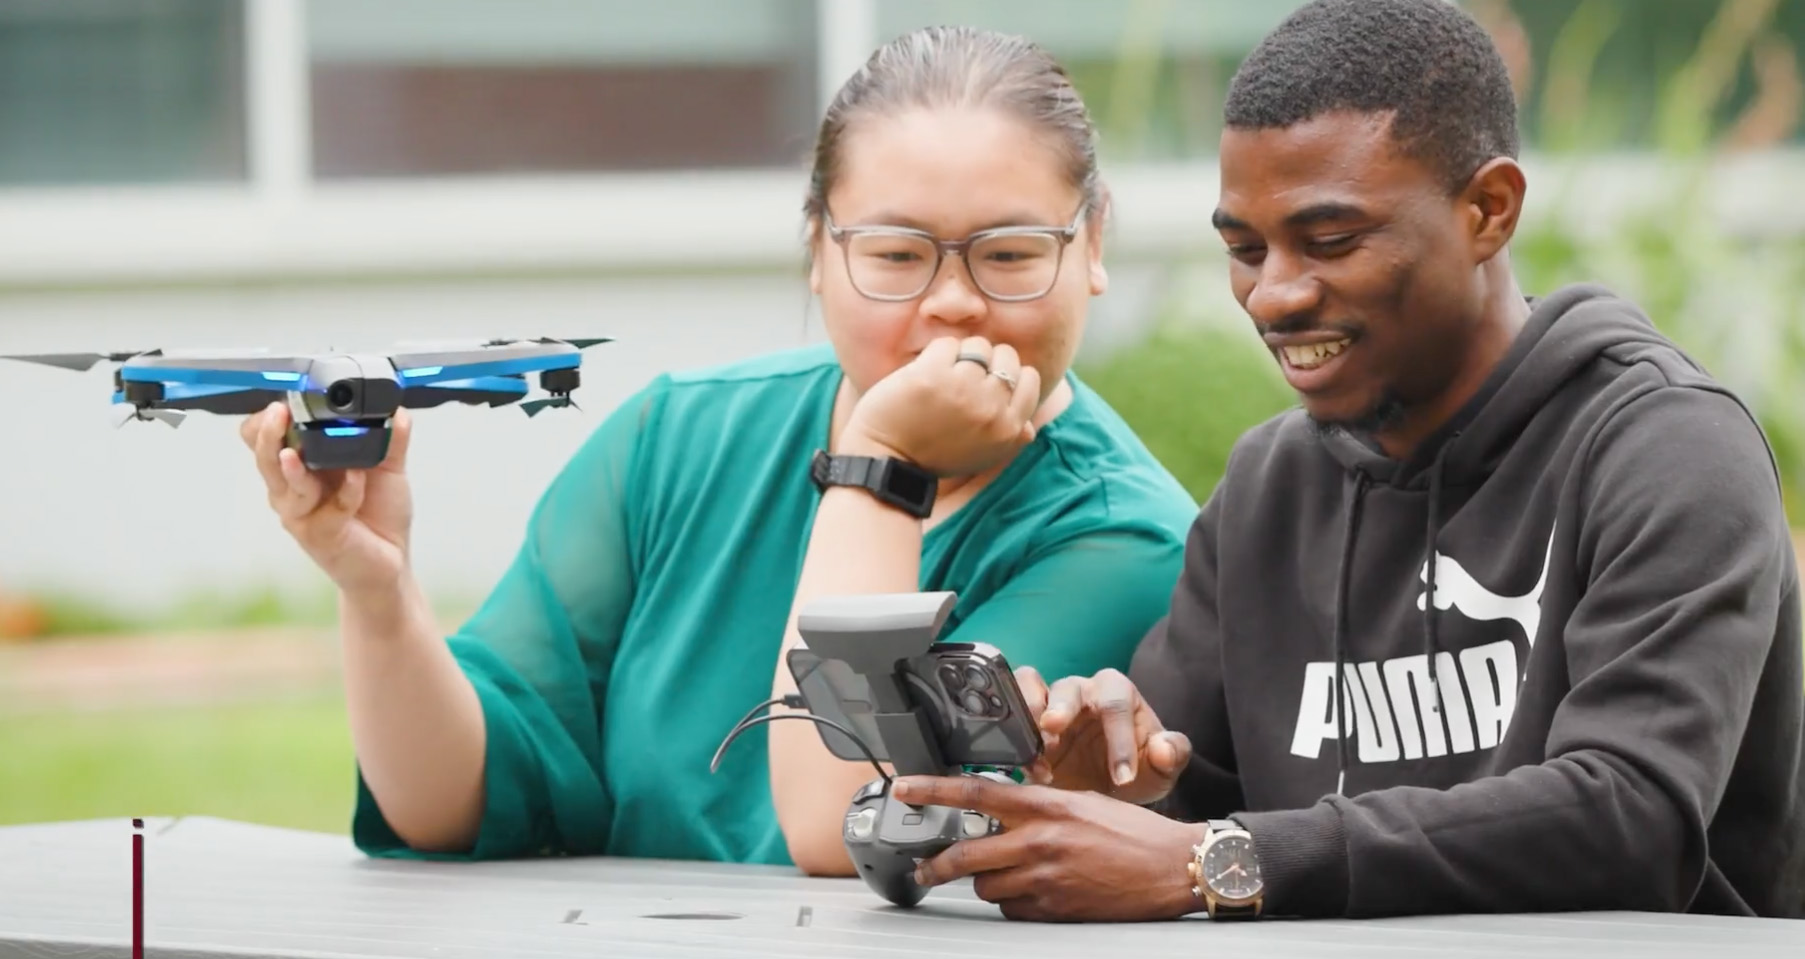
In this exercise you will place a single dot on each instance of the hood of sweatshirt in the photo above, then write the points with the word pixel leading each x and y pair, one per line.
pixel 1564 335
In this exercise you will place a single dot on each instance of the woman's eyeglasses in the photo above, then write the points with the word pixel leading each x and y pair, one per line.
pixel 1010 264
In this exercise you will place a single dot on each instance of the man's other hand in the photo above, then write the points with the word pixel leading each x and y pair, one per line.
pixel 1101 736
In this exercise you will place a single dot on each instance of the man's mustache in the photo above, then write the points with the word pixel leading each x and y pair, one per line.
pixel 1306 323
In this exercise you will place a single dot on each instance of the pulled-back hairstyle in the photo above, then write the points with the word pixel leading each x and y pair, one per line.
pixel 938 67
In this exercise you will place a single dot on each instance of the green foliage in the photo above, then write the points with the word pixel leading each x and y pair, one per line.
pixel 1190 390
pixel 1734 304
pixel 278 762
pixel 69 614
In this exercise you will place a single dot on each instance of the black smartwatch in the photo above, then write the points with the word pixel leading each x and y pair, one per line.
pixel 899 483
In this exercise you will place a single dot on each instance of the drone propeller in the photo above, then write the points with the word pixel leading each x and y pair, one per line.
pixel 79 362
pixel 581 344
pixel 173 417
pixel 532 407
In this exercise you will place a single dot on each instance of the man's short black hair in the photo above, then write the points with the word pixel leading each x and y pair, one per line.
pixel 1425 61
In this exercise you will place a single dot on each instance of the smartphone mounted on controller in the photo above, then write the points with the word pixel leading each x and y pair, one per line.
pixel 881 689
pixel 974 712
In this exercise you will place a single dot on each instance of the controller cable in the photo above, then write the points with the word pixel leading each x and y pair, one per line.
pixel 793 701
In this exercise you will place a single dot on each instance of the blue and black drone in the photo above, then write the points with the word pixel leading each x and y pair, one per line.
pixel 340 404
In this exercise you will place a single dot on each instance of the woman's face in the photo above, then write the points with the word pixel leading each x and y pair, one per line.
pixel 952 173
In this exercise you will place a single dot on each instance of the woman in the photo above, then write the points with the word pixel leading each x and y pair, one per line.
pixel 653 599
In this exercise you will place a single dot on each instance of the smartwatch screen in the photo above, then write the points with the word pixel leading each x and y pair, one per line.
pixel 908 484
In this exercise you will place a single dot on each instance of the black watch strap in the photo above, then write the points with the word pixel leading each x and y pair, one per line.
pixel 899 483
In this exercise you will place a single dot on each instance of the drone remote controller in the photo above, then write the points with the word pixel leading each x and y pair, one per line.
pixel 887 837
pixel 341 405
pixel 880 687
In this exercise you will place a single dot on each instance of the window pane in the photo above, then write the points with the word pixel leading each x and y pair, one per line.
pixel 436 87
pixel 121 91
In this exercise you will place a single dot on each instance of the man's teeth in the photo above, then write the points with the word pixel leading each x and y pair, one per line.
pixel 1312 354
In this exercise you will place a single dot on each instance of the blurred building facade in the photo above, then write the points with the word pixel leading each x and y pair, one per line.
pixel 303 174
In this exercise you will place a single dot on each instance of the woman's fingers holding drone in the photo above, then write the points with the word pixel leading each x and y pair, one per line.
pixel 263 434
pixel 294 492
pixel 247 429
pixel 301 490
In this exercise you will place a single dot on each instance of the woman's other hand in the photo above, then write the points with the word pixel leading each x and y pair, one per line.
pixel 951 416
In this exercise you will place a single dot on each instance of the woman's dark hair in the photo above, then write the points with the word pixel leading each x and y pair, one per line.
pixel 938 67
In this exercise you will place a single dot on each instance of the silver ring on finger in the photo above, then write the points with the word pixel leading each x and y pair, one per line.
pixel 978 358
pixel 1007 378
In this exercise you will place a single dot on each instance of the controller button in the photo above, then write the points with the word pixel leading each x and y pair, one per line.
pixel 912 819
pixel 974 824
pixel 861 824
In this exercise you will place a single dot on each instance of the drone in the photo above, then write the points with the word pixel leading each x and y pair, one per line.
pixel 340 404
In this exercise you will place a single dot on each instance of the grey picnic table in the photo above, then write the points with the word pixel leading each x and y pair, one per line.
pixel 217 888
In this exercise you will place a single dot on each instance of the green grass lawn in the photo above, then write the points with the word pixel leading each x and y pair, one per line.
pixel 278 762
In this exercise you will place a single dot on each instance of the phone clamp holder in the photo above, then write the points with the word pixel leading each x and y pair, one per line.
pixel 875 636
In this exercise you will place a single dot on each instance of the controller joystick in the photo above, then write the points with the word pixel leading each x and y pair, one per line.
pixel 886 837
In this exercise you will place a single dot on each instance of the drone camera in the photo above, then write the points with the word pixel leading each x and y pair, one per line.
pixel 363 397
pixel 349 388
pixel 341 396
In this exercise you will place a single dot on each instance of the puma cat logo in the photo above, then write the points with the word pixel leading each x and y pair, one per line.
pixel 1457 589
pixel 1393 711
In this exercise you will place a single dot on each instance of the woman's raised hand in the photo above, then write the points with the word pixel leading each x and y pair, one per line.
pixel 959 408
pixel 352 523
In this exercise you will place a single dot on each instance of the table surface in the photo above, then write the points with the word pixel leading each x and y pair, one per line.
pixel 216 888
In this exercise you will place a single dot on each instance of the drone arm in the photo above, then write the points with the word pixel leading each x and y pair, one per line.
pixel 530 652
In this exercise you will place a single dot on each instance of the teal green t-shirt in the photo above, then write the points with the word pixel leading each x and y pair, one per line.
pixel 643 614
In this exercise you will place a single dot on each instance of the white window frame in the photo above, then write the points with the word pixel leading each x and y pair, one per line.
pixel 282 225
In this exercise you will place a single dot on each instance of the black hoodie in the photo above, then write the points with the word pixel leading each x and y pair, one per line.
pixel 1615 644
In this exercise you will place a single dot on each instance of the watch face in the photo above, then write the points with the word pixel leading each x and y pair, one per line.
pixel 1231 870
pixel 912 486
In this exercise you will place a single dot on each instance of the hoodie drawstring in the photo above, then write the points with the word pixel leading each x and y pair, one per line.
pixel 1430 646
pixel 1343 574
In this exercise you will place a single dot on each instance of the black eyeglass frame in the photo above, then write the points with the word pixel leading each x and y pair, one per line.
pixel 843 235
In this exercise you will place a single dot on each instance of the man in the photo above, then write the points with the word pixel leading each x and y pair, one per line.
pixel 1543 551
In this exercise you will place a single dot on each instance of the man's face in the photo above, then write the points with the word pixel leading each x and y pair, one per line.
pixel 1352 260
